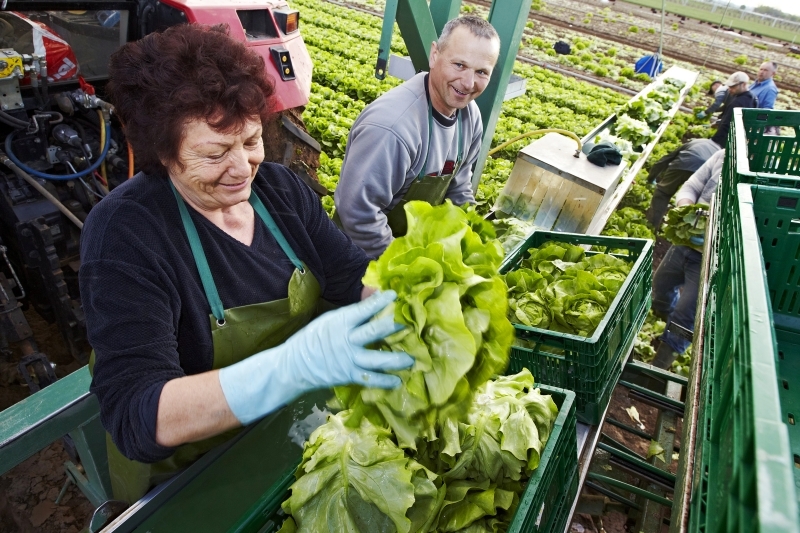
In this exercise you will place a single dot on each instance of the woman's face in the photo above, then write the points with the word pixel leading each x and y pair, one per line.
pixel 218 168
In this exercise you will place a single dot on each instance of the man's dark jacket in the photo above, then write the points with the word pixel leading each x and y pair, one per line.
pixel 745 99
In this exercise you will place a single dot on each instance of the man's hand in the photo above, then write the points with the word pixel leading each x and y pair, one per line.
pixel 683 201
pixel 701 115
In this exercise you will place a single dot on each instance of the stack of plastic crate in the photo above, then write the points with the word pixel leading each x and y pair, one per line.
pixel 747 461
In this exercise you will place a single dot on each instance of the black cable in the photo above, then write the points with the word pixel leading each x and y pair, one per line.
pixel 5 118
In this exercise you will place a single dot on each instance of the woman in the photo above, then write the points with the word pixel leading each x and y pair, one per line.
pixel 209 257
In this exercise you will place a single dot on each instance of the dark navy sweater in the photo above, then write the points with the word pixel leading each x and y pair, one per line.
pixel 146 312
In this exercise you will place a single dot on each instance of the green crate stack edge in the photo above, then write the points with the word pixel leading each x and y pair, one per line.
pixel 731 493
pixel 544 505
pixel 589 366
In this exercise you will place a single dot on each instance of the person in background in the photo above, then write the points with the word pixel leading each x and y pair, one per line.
pixel 738 96
pixel 418 141
pixel 764 87
pixel 720 92
pixel 677 280
pixel 766 91
pixel 672 171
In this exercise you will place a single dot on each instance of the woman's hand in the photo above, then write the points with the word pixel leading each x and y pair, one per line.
pixel 366 292
pixel 327 352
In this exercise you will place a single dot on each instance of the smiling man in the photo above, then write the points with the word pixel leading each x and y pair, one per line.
pixel 418 141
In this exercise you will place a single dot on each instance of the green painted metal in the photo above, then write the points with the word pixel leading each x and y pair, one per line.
pixel 650 370
pixel 42 418
pixel 227 481
pixel 509 21
pixel 660 397
pixel 442 11
pixel 95 496
pixel 416 25
pixel 630 488
pixel 635 459
pixel 628 429
pixel 385 48
pixel 90 442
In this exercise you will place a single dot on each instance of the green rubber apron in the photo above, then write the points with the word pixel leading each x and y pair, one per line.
pixel 431 189
pixel 236 333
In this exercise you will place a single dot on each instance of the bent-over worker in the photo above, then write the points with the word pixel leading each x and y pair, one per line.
pixel 418 141
pixel 200 275
pixel 677 279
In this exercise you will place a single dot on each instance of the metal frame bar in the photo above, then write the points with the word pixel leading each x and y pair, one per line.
pixel 630 488
pixel 442 11
pixel 509 21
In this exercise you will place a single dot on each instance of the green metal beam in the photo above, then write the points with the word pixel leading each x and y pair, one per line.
pixel 630 488
pixel 416 25
pixel 509 21
pixel 385 48
pixel 442 11
pixel 90 442
pixel 638 461
pixel 44 417
pixel 666 400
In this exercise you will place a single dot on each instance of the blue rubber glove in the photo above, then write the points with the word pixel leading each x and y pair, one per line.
pixel 329 351
pixel 701 114
pixel 697 240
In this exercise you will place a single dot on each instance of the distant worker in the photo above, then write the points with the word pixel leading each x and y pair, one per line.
pixel 672 171
pixel 766 91
pixel 418 141
pixel 677 279
pixel 650 65
pixel 738 96
pixel 720 92
pixel 764 87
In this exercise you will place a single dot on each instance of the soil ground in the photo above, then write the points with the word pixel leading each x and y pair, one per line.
pixel 28 492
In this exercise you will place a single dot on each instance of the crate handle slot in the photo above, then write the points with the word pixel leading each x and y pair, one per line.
pixel 794 225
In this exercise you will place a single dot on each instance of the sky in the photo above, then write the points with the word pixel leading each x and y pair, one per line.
pixel 791 6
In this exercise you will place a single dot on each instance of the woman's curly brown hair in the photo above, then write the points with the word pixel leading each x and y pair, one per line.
pixel 188 72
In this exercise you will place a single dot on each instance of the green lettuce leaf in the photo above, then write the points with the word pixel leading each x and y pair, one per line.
pixel 453 301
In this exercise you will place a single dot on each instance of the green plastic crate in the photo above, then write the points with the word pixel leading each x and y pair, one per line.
pixel 752 157
pixel 745 472
pixel 541 508
pixel 590 366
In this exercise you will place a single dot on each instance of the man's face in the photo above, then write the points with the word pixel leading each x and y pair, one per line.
pixel 765 71
pixel 738 88
pixel 461 71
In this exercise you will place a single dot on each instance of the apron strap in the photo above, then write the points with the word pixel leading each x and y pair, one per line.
pixel 201 262
pixel 273 228
pixel 430 135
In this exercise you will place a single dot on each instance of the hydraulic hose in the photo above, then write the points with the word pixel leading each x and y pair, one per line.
pixel 16 123
pixel 59 177
pixel 103 142
pixel 534 132
pixel 10 163
pixel 130 160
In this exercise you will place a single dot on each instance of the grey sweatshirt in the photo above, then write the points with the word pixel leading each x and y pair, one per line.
pixel 701 185
pixel 385 152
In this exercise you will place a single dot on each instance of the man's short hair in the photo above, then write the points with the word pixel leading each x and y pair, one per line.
pixel 477 26
pixel 774 66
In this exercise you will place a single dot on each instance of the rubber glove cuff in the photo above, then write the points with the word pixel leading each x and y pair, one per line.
pixel 697 240
pixel 327 352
